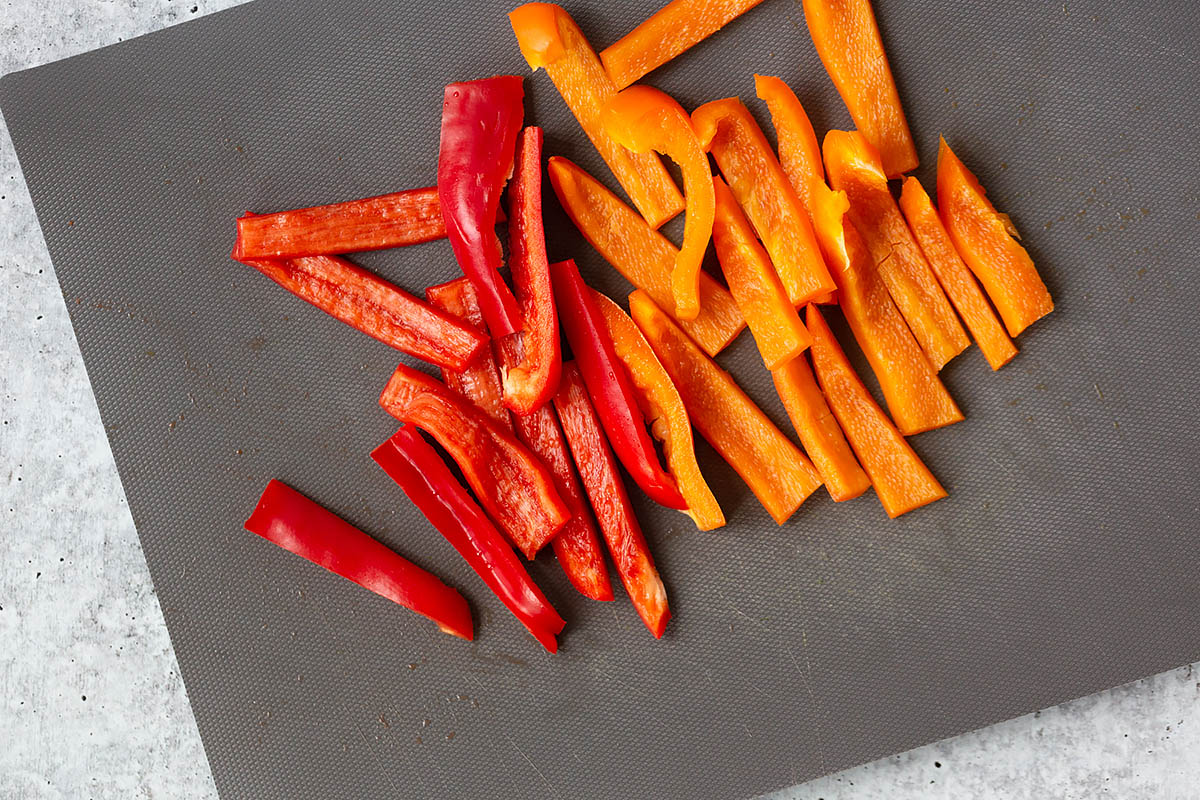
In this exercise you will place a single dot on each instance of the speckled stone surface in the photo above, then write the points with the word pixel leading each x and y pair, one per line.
pixel 91 703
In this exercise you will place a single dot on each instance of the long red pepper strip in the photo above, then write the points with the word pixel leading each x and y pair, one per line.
pixel 295 523
pixel 375 307
pixel 428 482
pixel 610 386
pixel 480 123
pixel 626 543
pixel 511 483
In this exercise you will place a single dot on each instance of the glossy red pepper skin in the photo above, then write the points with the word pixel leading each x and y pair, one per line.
pixel 295 523
pixel 610 386
pixel 420 472
pixel 480 124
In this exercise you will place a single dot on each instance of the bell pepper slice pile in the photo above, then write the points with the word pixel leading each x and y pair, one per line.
pixel 848 43
pixel 642 255
pixel 777 328
pixel 297 524
pixel 598 470
pixel 749 166
pixel 661 404
pixel 796 141
pixel 480 123
pixel 901 480
pixel 644 119
pixel 417 468
pixel 985 240
pixel 960 285
pixel 774 469
pixel 853 167
pixel 511 483
pixel 549 38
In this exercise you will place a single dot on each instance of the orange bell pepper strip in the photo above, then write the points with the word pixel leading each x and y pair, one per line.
pixel 645 257
pixel 960 285
pixel 819 431
pixel 853 167
pixel 984 238
pixel 673 29
pixel 644 119
pixel 774 468
pixel 549 38
pixel 799 151
pixel 915 395
pixel 764 192
pixel 777 329
pixel 848 42
pixel 664 410
pixel 901 480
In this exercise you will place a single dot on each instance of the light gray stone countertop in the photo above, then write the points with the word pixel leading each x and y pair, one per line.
pixel 91 703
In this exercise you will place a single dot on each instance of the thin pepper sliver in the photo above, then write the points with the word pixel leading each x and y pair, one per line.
pixel 799 150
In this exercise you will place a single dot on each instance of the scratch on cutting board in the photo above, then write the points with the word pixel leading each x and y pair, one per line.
pixel 524 755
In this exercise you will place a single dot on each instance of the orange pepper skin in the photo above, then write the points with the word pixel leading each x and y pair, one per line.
pixel 664 410
pixel 984 239
pixel 774 468
pixel 848 42
pixel 901 480
pixel 853 167
pixel 777 328
pixel 955 277
pixel 643 119
pixel 749 166
pixel 799 151
pixel 644 256
pixel 550 39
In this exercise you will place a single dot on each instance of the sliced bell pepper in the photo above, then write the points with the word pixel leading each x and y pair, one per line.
pixel 774 469
pixel 420 472
pixel 853 167
pixel 549 38
pixel 295 523
pixel 598 470
pixel 799 151
pixel 915 395
pixel 379 309
pixel 777 329
pixel 644 119
pixel 985 240
pixel 609 385
pixel 645 257
pixel 960 285
pixel 901 480
pixel 819 431
pixel 749 166
pixel 511 483
pixel 480 123
pixel 848 43
pixel 661 404
pixel 531 382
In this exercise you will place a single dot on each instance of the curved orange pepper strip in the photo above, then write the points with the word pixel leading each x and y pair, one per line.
pixel 774 468
pixel 550 39
pixel 644 119
pixel 644 256
pixel 848 42
pixel 799 151
pixel 664 410
pixel 901 480
pixel 984 238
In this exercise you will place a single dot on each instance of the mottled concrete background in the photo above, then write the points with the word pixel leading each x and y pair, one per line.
pixel 91 703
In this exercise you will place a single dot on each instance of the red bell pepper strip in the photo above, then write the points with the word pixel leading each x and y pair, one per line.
pixel 610 386
pixel 420 472
pixel 511 483
pixel 480 123
pixel 626 543
pixel 295 523
pixel 375 307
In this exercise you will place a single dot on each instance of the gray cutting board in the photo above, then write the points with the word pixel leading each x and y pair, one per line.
pixel 1063 562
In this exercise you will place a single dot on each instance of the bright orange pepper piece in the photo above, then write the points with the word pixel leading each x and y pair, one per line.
pixel 799 151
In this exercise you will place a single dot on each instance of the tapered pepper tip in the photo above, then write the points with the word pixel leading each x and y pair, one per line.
pixel 468 635
pixel 536 29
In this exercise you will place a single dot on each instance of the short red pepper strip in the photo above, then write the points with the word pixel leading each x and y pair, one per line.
pixel 297 524
pixel 420 472
pixel 610 386
pixel 480 123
